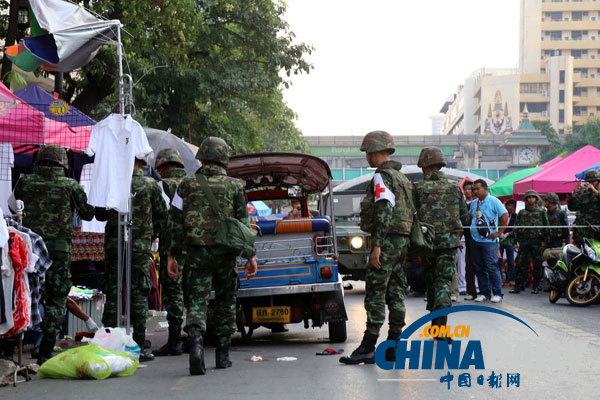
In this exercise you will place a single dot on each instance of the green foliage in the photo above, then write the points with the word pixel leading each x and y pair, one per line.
pixel 588 133
pixel 202 68
pixel 555 143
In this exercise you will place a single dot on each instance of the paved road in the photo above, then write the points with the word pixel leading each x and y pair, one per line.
pixel 563 361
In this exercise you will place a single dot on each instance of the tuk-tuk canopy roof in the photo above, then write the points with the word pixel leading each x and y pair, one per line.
pixel 280 170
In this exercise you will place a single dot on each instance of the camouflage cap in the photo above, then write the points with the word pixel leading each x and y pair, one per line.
pixel 431 156
pixel 214 149
pixel 53 153
pixel 170 155
pixel 552 198
pixel 377 141
pixel 531 193
pixel 592 175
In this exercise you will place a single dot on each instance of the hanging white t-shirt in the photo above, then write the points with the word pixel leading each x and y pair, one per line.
pixel 115 141
pixel 7 161
pixel 85 181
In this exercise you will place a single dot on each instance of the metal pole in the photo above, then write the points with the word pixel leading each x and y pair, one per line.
pixel 129 253
pixel 120 58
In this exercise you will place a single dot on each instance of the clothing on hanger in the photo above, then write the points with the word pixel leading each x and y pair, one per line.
pixel 38 277
pixel 115 142
pixel 18 255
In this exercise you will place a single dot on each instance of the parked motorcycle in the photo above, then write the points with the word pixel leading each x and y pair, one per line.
pixel 557 273
pixel 584 288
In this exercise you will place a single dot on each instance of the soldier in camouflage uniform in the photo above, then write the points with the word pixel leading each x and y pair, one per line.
pixel 556 217
pixel 170 166
pixel 193 225
pixel 50 199
pixel 389 197
pixel 586 201
pixel 149 215
pixel 530 242
pixel 439 203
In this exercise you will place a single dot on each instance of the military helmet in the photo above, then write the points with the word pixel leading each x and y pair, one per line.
pixel 592 175
pixel 552 198
pixel 377 141
pixel 170 155
pixel 214 149
pixel 431 156
pixel 53 153
pixel 531 193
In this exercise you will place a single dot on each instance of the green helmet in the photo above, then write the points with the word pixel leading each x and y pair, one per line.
pixel 214 149
pixel 170 155
pixel 377 141
pixel 592 175
pixel 53 153
pixel 552 198
pixel 431 156
pixel 531 193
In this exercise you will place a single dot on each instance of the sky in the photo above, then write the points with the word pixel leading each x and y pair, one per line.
pixel 390 64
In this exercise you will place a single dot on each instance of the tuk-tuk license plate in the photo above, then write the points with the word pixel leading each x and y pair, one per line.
pixel 279 315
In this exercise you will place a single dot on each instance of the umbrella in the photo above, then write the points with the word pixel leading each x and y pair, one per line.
pixel 259 208
pixel 581 175
pixel 504 186
pixel 159 140
pixel 64 37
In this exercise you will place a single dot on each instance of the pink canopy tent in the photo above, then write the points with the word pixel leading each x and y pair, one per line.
pixel 550 163
pixel 22 124
pixel 554 179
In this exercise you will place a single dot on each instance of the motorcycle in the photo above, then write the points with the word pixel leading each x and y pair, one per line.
pixel 558 273
pixel 584 287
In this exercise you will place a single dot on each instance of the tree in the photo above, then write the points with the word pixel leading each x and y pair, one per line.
pixel 203 68
pixel 555 143
pixel 588 133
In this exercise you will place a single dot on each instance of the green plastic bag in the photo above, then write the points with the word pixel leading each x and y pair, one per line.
pixel 89 362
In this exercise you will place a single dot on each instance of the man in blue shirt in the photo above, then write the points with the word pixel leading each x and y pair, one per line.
pixel 488 219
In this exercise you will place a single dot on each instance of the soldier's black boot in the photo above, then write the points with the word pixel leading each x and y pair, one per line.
pixel 365 352
pixel 45 352
pixel 440 322
pixel 222 357
pixel 390 353
pixel 174 346
pixel 196 355
pixel 145 354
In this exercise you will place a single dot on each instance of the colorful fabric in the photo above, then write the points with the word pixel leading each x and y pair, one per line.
pixel 18 255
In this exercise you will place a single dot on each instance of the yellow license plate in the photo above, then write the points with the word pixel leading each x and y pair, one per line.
pixel 273 315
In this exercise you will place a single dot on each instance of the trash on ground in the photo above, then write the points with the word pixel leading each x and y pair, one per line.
pixel 287 359
pixel 89 362
pixel 329 352
pixel 256 359
pixel 115 339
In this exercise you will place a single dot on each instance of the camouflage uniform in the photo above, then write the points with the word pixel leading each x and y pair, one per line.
pixel 439 202
pixel 50 199
pixel 556 237
pixel 193 225
pixel 587 205
pixel 390 229
pixel 149 215
pixel 530 241
pixel 172 292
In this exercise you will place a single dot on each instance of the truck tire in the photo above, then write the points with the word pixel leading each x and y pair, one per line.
pixel 337 331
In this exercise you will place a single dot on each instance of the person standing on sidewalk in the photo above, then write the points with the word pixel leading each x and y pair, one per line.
pixel 530 242
pixel 507 241
pixel 469 268
pixel 488 219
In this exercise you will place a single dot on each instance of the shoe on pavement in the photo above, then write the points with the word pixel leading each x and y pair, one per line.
pixel 496 299
pixel 515 291
pixel 480 298
pixel 470 297
pixel 453 298
pixel 535 290
pixel 365 353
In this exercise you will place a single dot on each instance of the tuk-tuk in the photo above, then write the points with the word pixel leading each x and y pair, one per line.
pixel 297 278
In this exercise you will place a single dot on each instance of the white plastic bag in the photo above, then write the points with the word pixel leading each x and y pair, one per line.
pixel 116 339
